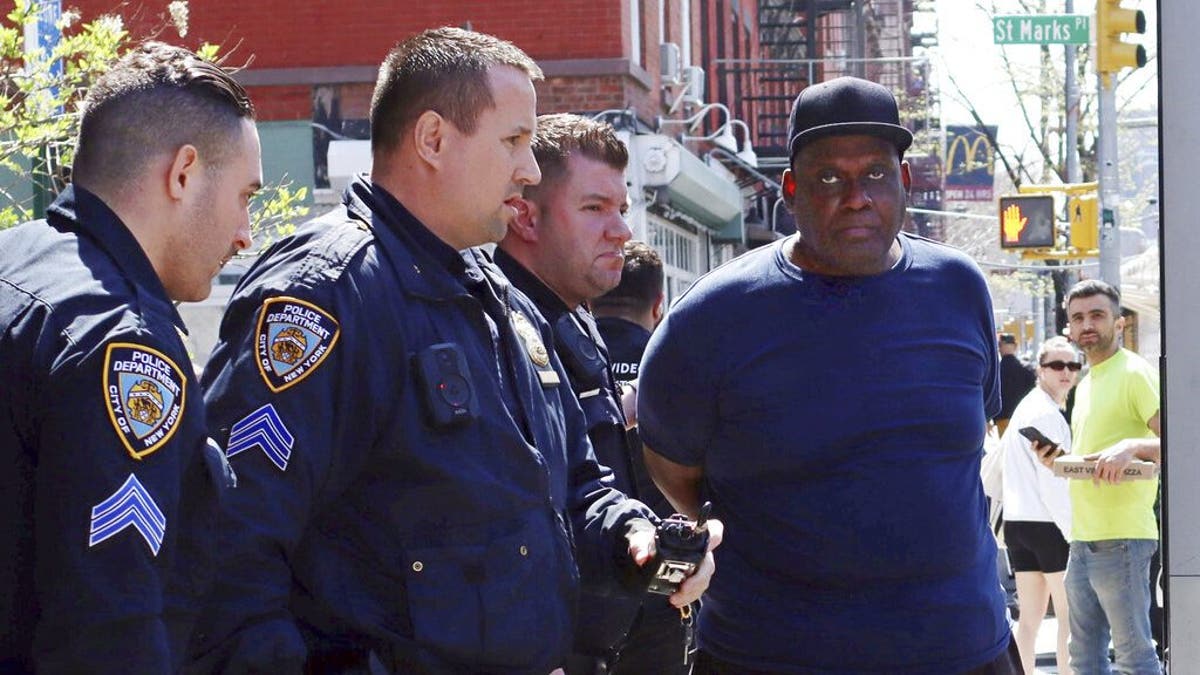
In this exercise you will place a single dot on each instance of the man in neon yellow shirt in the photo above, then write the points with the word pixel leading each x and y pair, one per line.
pixel 1113 533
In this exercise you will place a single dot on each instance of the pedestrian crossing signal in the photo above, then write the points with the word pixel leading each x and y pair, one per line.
pixel 1027 221
pixel 1083 211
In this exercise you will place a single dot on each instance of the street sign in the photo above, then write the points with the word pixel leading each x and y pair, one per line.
pixel 1041 29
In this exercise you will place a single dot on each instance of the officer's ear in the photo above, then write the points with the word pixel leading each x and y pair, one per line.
pixel 524 226
pixel 182 172
pixel 429 137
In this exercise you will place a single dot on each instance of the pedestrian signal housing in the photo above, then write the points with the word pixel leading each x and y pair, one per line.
pixel 1083 212
pixel 1027 221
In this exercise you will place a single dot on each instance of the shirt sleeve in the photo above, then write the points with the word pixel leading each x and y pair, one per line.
pixel 276 390
pixel 677 392
pixel 121 440
pixel 991 379
pixel 1144 393
pixel 600 513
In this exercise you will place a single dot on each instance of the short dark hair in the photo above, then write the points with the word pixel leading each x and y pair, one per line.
pixel 641 280
pixel 155 99
pixel 444 70
pixel 1092 287
pixel 560 135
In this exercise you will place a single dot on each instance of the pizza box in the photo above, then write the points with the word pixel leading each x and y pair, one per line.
pixel 1070 466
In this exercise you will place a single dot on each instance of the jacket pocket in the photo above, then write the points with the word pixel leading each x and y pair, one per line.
pixel 506 603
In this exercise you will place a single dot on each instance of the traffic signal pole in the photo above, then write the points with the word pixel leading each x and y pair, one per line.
pixel 1110 193
pixel 1113 54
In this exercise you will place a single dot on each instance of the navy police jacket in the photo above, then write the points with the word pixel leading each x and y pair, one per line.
pixel 626 342
pixel 606 619
pixel 108 500
pixel 415 479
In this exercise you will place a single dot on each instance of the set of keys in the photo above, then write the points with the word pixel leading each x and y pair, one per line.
pixel 681 545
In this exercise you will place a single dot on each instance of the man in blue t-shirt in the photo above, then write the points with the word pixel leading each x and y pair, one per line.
pixel 830 395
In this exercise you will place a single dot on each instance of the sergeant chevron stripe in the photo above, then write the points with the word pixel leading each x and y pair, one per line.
pixel 262 429
pixel 130 506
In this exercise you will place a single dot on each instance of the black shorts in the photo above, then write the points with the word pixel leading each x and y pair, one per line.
pixel 1035 546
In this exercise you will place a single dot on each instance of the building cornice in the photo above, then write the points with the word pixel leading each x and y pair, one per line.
pixel 280 77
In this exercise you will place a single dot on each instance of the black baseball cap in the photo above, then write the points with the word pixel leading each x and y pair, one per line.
pixel 844 106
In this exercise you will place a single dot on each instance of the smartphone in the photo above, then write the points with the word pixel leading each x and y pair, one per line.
pixel 1038 437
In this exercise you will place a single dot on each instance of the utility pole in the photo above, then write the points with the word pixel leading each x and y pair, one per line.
pixel 1049 303
pixel 1110 194
pixel 1112 55
pixel 1072 91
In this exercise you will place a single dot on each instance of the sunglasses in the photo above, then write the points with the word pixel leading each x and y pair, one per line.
pixel 1074 366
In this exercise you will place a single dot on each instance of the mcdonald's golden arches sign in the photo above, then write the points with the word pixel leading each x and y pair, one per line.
pixel 969 164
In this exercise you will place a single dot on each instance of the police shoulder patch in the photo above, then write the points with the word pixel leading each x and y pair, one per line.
pixel 144 392
pixel 293 338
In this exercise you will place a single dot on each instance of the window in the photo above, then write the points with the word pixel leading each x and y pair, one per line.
pixel 635 32
pixel 680 251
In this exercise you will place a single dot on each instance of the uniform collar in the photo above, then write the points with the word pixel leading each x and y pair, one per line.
pixel 429 266
pixel 81 211
pixel 622 324
pixel 546 299
pixel 366 198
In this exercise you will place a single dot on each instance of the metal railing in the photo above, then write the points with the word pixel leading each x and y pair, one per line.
pixel 761 91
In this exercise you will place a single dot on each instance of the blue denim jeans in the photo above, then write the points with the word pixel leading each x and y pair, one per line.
pixel 1108 593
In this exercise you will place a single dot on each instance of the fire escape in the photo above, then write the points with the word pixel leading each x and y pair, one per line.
pixel 806 41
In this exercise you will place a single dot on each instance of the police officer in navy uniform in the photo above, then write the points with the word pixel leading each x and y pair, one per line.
pixel 416 489
pixel 628 313
pixel 110 496
pixel 564 248
pixel 626 316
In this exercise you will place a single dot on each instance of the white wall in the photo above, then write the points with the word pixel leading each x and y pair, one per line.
pixel 1179 106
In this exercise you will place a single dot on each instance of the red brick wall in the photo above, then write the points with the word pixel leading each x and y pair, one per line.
pixel 293 33
pixel 580 93
pixel 273 34
pixel 282 103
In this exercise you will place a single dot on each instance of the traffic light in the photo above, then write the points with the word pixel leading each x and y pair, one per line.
pixel 1027 221
pixel 1083 212
pixel 1113 53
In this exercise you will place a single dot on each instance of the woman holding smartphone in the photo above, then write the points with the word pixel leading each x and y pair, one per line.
pixel 1037 507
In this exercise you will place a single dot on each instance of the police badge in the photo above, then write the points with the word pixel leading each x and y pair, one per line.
pixel 292 339
pixel 533 342
pixel 535 348
pixel 144 391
